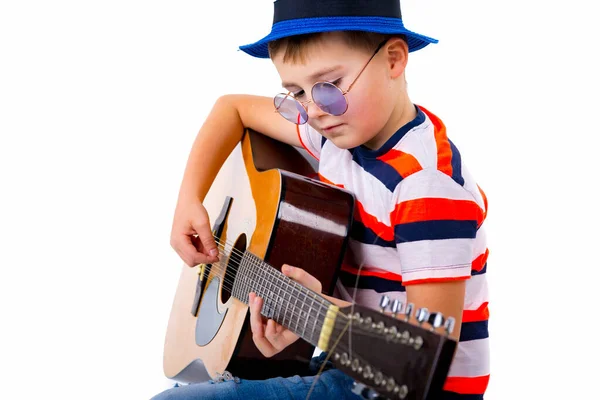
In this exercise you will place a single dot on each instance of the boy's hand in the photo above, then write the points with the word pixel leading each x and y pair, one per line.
pixel 270 337
pixel 191 219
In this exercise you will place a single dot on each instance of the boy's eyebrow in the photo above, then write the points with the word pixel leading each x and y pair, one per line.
pixel 314 77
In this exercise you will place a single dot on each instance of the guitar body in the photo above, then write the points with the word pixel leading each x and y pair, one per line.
pixel 263 202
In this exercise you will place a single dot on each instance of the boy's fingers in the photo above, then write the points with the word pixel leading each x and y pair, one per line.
pixel 258 328
pixel 184 247
pixel 302 277
pixel 209 247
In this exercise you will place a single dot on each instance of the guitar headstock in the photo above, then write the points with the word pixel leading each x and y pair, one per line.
pixel 395 358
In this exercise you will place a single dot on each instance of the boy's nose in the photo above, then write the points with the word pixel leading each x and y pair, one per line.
pixel 314 111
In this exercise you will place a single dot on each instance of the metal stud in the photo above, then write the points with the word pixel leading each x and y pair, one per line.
pixel 403 391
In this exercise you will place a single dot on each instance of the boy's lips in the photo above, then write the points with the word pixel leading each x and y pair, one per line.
pixel 331 128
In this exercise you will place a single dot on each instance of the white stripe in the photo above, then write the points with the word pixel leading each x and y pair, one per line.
pixel 311 139
pixel 459 271
pixel 424 254
pixel 432 183
pixel 480 245
pixel 476 292
pixel 471 186
pixel 366 297
pixel 420 143
pixel 472 359
pixel 382 258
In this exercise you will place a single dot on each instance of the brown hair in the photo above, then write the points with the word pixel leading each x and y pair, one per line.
pixel 295 45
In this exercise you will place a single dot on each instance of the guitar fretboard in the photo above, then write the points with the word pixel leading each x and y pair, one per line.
pixel 285 301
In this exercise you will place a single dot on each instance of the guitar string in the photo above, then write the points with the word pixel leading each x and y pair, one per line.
pixel 351 332
pixel 272 273
pixel 259 263
pixel 338 313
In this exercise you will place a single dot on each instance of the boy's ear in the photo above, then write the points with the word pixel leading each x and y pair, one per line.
pixel 397 56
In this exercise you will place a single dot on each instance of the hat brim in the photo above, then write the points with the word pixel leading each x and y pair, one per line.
pixel 302 26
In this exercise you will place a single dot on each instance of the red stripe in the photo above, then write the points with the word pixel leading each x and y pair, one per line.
pixel 404 163
pixel 435 280
pixel 444 151
pixel 383 274
pixel 485 202
pixel 436 209
pixel 481 314
pixel 302 143
pixel 325 180
pixel 369 221
pixel 479 262
pixel 464 385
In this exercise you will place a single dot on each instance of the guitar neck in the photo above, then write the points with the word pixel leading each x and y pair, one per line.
pixel 288 303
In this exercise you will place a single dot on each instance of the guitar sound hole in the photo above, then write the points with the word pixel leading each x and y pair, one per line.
pixel 233 263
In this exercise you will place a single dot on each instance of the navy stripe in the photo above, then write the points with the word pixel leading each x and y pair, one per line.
pixel 436 229
pixel 456 165
pixel 473 330
pixel 361 233
pixel 384 172
pixel 380 285
pixel 323 140
pixel 457 396
pixel 483 271
pixel 365 152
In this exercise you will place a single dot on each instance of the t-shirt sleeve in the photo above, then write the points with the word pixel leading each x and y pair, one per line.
pixel 435 223
pixel 310 139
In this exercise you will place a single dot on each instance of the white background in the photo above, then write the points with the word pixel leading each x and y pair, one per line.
pixel 100 102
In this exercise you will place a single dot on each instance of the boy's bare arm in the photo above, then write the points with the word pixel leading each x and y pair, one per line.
pixel 223 129
pixel 219 135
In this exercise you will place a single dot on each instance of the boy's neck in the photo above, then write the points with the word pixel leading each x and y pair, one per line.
pixel 404 113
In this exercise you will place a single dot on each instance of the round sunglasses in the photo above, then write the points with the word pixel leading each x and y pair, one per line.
pixel 327 96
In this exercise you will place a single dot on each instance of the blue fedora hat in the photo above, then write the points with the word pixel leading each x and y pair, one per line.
pixel 297 17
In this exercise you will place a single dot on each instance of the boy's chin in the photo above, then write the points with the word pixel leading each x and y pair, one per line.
pixel 345 141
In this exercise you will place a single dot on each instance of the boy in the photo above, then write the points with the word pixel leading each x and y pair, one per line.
pixel 418 226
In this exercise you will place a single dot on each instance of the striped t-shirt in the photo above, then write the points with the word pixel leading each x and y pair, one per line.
pixel 418 218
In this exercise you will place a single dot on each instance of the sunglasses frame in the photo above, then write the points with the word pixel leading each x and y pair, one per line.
pixel 305 104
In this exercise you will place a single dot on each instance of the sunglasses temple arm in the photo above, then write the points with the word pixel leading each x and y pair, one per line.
pixel 365 67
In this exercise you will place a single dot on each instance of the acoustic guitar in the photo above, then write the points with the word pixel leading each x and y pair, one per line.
pixel 268 210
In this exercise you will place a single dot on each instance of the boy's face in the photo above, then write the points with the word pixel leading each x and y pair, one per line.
pixel 371 101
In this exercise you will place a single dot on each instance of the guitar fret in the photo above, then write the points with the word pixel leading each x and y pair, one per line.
pixel 268 296
pixel 278 306
pixel 306 318
pixel 316 319
pixel 296 307
pixel 285 313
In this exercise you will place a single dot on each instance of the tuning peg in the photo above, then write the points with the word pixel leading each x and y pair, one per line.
pixel 449 325
pixel 408 311
pixel 384 302
pixel 436 320
pixel 396 307
pixel 422 315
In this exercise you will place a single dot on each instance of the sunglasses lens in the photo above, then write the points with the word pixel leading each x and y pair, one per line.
pixel 329 98
pixel 290 109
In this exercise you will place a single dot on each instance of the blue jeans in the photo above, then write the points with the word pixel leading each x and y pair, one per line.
pixel 331 384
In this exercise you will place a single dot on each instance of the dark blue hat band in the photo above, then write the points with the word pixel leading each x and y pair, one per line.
pixel 294 9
